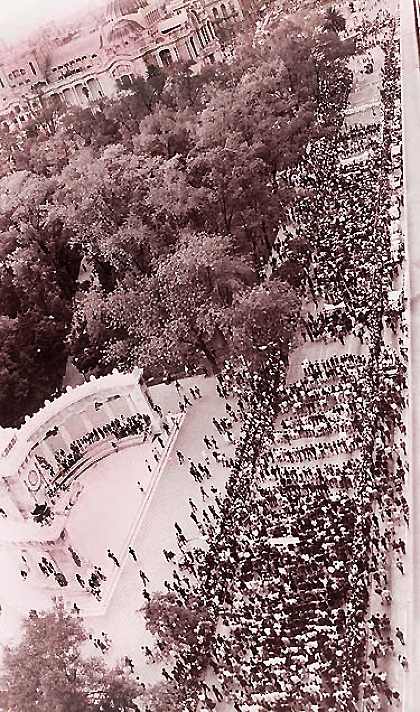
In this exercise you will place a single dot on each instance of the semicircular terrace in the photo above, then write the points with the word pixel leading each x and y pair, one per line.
pixel 69 434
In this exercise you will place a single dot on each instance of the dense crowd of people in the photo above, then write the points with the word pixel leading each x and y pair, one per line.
pixel 294 577
pixel 299 551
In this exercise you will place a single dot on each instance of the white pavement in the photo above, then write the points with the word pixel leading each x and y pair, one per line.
pixel 123 620
pixel 109 514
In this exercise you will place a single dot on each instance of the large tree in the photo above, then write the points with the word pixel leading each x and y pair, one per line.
pixel 48 671
pixel 181 629
pixel 175 315
pixel 262 317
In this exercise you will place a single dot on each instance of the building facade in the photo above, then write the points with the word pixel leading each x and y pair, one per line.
pixel 96 60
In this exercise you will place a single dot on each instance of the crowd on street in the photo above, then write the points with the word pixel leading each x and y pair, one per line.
pixel 295 576
pixel 293 568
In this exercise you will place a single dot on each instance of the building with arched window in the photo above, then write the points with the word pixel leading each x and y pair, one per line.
pixel 82 64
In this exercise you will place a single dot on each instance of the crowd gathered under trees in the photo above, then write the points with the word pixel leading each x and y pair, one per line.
pixel 289 599
pixel 170 197
pixel 275 610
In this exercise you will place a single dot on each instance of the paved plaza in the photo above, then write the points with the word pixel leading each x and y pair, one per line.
pixel 112 512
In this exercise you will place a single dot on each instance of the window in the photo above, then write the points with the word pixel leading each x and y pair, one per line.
pixel 193 46
pixel 33 70
pixel 125 81
pixel 165 57
pixel 200 39
pixel 189 50
pixel 223 9
pixel 215 13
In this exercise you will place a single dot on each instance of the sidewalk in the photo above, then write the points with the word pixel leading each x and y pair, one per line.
pixel 123 620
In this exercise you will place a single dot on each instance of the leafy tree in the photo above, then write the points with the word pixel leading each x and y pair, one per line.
pixel 196 287
pixel 165 697
pixel 44 114
pixel 162 133
pixel 48 671
pixel 38 275
pixel 185 630
pixel 264 316
pixel 149 90
pixel 174 315
pixel 79 124
pixel 114 691
pixel 334 20
pixel 184 88
pixel 33 334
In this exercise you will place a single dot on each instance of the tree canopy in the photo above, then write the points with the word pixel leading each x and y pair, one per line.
pixel 172 194
pixel 48 670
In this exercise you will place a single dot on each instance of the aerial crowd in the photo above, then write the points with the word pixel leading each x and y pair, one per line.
pixel 296 575
pixel 292 585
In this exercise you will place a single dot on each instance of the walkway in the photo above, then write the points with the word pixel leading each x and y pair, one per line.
pixel 123 620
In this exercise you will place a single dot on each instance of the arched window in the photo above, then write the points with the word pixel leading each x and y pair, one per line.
pixel 124 81
pixel 215 13
pixel 223 9
pixel 195 19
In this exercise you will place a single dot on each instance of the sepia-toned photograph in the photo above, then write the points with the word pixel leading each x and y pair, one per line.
pixel 209 355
